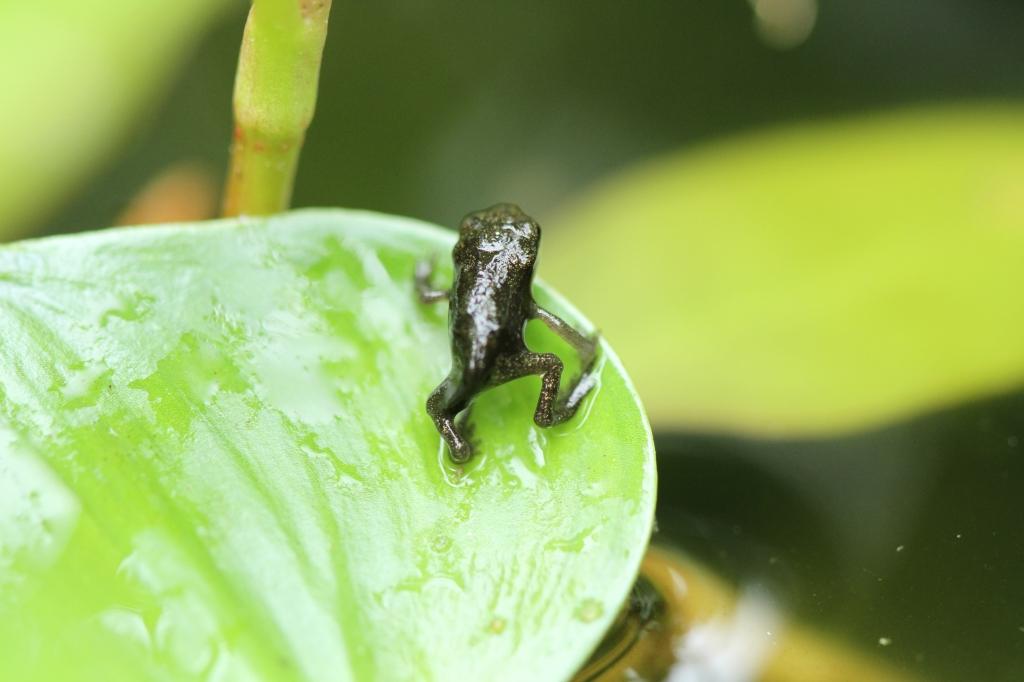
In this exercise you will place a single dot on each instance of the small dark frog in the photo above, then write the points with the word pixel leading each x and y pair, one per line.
pixel 489 304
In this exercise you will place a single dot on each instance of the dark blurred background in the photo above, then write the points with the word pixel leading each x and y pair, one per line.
pixel 427 108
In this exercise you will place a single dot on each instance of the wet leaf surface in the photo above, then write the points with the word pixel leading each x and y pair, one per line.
pixel 215 464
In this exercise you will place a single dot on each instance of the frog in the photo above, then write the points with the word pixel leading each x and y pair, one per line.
pixel 489 303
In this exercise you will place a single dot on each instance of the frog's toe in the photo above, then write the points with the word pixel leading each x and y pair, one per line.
pixel 544 419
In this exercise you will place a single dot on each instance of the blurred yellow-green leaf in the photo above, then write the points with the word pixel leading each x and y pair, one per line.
pixel 811 280
pixel 73 77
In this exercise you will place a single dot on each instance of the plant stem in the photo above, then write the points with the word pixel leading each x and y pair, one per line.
pixel 275 95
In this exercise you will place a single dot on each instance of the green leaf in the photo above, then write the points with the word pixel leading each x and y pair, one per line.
pixel 215 463
pixel 812 280
pixel 73 75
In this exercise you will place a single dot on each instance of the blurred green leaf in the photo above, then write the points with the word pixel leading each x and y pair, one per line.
pixel 74 76
pixel 811 280
pixel 216 464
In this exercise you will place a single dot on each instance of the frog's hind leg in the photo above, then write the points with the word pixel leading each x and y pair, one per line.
pixel 443 405
pixel 586 346
pixel 523 363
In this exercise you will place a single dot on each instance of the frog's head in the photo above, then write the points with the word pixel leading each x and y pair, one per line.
pixel 500 226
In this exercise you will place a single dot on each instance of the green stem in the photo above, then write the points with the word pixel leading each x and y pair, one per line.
pixel 275 95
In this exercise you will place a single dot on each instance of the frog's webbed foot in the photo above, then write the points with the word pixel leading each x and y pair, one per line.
pixel 443 405
pixel 425 290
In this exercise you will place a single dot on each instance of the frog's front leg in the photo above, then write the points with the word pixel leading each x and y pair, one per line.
pixel 426 291
pixel 449 399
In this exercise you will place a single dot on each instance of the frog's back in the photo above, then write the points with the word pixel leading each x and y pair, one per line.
pixel 490 297
pixel 490 304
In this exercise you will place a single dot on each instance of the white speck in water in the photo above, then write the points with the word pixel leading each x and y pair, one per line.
pixel 884 641
pixel 959 535
pixel 899 548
